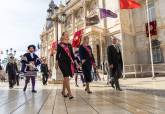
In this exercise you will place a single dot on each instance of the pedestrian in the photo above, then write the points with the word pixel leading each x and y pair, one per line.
pixel 44 71
pixel 65 60
pixel 11 69
pixel 29 67
pixel 88 61
pixel 115 63
pixel 2 74
pixel 78 69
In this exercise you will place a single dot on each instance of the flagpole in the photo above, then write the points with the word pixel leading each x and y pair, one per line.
pixel 84 14
pixel 150 40
pixel 102 57
pixel 121 33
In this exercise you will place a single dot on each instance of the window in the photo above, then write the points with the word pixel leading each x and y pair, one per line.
pixel 157 53
pixel 152 14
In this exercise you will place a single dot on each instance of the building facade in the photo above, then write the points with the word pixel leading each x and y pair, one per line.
pixel 129 27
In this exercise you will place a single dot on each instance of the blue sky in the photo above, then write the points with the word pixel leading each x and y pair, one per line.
pixel 21 22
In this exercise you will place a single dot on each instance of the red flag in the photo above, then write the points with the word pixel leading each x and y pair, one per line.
pixel 53 46
pixel 153 28
pixel 77 38
pixel 129 4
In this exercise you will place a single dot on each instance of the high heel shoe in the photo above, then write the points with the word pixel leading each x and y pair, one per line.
pixel 85 89
pixel 64 94
pixel 71 97
pixel 89 92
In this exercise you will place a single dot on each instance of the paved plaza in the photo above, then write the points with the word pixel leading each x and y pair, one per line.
pixel 139 96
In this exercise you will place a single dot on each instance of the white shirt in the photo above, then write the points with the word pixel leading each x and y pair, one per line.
pixel 31 54
pixel 116 47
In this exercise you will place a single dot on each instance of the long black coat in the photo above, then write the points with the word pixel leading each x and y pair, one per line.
pixel 11 69
pixel 44 69
pixel 115 58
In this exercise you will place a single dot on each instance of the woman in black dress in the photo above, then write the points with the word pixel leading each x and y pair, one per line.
pixel 88 61
pixel 65 59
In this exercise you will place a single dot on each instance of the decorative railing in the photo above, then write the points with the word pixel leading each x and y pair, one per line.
pixel 136 69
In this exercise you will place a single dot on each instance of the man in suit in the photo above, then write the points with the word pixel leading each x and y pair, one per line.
pixel 115 63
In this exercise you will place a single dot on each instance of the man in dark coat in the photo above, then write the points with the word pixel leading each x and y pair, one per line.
pixel 45 71
pixel 12 70
pixel 115 63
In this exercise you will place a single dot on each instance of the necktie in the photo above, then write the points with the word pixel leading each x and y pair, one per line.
pixel 117 48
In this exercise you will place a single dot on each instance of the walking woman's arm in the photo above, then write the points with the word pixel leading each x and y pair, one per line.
pixel 72 54
pixel 58 52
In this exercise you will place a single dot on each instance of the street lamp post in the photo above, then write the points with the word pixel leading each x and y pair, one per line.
pixel 55 15
pixel 10 53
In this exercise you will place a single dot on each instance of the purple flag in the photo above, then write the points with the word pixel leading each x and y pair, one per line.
pixel 107 13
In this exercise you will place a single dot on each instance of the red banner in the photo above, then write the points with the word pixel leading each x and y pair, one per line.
pixel 77 38
pixel 129 4
pixel 153 28
pixel 53 47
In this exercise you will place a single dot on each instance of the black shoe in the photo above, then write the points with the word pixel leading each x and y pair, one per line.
pixel 64 94
pixel 34 91
pixel 77 85
pixel 119 89
pixel 71 97
pixel 24 89
pixel 112 84
pixel 89 92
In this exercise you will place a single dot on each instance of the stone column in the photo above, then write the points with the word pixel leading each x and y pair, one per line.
pixel 85 13
pixel 56 74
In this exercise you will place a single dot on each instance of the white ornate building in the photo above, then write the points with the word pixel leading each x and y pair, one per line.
pixel 129 27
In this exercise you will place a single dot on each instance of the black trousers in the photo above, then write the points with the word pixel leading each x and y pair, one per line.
pixel 12 80
pixel 115 74
pixel 45 79
pixel 17 80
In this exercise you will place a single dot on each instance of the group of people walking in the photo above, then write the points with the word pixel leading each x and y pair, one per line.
pixel 84 59
pixel 66 62
pixel 29 63
pixel 71 62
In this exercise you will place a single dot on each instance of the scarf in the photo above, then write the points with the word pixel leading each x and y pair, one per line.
pixel 90 53
pixel 67 51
